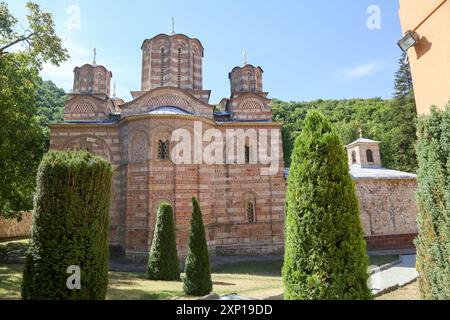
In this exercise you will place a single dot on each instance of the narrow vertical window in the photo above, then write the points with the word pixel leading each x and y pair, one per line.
pixel 369 155
pixel 179 67
pixel 249 81
pixel 193 70
pixel 163 150
pixel 353 157
pixel 247 154
pixel 162 66
pixel 250 212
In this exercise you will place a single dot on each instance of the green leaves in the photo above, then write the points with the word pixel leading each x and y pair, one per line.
pixel 70 227
pixel 433 197
pixel 23 140
pixel 198 271
pixel 163 260
pixel 325 254
pixel 40 42
pixel 393 122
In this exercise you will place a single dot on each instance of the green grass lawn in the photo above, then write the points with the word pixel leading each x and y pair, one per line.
pixel 257 279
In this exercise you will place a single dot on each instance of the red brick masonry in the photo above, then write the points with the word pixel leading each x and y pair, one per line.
pixel 393 241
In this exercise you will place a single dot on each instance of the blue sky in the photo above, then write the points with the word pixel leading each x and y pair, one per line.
pixel 307 49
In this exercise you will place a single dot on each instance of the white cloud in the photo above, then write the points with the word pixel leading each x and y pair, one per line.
pixel 361 71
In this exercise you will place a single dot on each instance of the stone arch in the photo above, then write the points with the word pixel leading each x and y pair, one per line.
pixel 250 207
pixel 160 133
pixel 369 156
pixel 91 144
pixel 354 160
pixel 139 149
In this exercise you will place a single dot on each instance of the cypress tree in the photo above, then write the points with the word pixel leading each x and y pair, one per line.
pixel 325 253
pixel 433 196
pixel 163 260
pixel 70 228
pixel 197 281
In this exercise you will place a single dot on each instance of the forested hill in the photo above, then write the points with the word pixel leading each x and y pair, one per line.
pixel 49 103
pixel 390 121
pixel 393 122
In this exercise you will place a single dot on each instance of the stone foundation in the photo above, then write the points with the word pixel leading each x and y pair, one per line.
pixel 391 242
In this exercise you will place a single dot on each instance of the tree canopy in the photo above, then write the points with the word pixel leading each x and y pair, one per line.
pixel 22 139
pixel 390 121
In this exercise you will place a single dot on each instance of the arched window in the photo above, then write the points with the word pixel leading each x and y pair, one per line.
pixel 250 211
pixel 163 150
pixel 179 67
pixel 193 69
pixel 247 154
pixel 354 157
pixel 369 155
pixel 251 82
pixel 163 58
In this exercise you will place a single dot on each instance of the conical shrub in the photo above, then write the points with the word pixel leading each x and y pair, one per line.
pixel 197 281
pixel 325 254
pixel 163 260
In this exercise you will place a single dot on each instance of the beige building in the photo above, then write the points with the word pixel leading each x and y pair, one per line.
pixel 430 56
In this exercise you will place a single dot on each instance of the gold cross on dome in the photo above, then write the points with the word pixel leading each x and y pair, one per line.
pixel 173 25
pixel 95 55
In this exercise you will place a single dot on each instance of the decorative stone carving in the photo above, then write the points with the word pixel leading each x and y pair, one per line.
pixel 139 147
pixel 91 144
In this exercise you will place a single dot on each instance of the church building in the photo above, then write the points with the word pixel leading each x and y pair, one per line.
pixel 243 208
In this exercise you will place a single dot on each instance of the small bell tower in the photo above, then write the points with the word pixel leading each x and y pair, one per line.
pixel 364 153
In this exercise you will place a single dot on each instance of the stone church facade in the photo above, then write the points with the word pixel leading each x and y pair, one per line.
pixel 243 210
pixel 387 198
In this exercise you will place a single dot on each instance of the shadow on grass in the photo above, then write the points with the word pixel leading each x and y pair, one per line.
pixel 136 294
pixel 10 281
pixel 255 268
pixel 218 283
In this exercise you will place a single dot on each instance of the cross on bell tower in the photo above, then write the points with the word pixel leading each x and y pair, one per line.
pixel 95 56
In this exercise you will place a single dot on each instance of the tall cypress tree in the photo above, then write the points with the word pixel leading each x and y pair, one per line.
pixel 163 260
pixel 198 271
pixel 433 241
pixel 403 86
pixel 403 120
pixel 325 254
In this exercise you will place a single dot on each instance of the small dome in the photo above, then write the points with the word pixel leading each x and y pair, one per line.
pixel 169 110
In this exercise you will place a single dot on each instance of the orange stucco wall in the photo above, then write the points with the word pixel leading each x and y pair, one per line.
pixel 430 58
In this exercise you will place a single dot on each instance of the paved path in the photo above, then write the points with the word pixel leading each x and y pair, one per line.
pixel 398 275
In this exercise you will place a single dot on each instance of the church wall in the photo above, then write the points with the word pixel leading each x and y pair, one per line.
pixel 388 209
pixel 221 190
pixel 102 140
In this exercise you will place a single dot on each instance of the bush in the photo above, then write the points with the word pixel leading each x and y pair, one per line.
pixel 198 271
pixel 70 227
pixel 325 254
pixel 163 260
pixel 433 196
